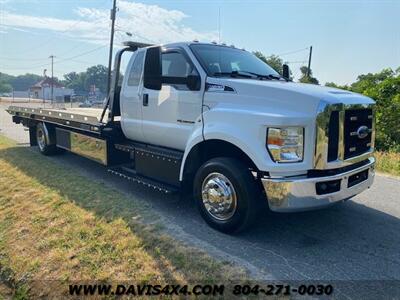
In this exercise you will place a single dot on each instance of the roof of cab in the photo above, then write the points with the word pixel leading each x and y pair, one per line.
pixel 137 45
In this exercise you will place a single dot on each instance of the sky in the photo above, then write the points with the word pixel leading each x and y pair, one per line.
pixel 349 38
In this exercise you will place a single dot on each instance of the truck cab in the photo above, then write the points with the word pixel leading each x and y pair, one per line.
pixel 219 122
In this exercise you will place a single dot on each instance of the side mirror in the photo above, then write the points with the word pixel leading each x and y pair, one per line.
pixel 193 82
pixel 286 72
pixel 152 69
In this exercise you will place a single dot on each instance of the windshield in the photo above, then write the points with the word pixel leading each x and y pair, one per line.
pixel 221 60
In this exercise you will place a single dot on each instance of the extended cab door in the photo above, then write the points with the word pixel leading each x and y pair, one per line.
pixel 131 102
pixel 169 111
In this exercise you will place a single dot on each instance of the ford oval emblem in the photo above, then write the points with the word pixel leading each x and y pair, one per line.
pixel 362 132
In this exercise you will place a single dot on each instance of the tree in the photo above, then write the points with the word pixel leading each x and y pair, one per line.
pixel 24 82
pixel 274 61
pixel 97 75
pixel 20 82
pixel 307 78
pixel 75 81
pixel 5 87
pixel 71 77
pixel 384 88
pixel 334 85
pixel 365 81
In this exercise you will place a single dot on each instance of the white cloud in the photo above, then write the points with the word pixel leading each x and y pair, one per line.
pixel 147 23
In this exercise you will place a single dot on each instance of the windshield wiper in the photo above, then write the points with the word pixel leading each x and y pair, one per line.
pixel 268 76
pixel 248 74
pixel 235 74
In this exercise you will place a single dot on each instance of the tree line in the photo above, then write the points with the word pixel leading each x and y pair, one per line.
pixel 80 82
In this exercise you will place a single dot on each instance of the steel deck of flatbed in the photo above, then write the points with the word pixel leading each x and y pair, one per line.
pixel 86 119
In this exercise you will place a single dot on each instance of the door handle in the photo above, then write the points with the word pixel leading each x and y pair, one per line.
pixel 145 99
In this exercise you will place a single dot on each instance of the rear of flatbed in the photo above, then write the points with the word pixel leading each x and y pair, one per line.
pixel 82 119
pixel 78 130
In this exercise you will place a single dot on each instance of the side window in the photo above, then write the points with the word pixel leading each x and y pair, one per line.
pixel 136 70
pixel 174 64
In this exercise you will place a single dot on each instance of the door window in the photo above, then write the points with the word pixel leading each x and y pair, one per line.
pixel 174 64
pixel 136 70
pixel 175 70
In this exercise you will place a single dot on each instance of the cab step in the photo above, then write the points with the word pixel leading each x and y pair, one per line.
pixel 144 149
pixel 158 163
pixel 129 174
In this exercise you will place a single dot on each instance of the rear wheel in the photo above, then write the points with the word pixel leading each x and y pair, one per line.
pixel 42 138
pixel 226 194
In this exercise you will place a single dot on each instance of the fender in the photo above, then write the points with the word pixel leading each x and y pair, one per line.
pixel 49 137
pixel 247 130
pixel 222 132
pixel 195 138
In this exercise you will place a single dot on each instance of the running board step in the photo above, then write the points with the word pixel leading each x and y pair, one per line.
pixel 159 152
pixel 158 186
pixel 158 163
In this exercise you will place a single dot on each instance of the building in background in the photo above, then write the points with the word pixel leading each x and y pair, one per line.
pixel 42 90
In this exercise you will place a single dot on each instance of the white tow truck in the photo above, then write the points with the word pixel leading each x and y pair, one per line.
pixel 219 122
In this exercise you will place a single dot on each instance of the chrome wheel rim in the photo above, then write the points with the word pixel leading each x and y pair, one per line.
pixel 219 196
pixel 41 140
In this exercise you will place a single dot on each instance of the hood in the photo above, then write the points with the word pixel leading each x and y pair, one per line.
pixel 300 97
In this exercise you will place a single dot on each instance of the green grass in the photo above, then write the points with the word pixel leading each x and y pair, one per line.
pixel 388 162
pixel 57 225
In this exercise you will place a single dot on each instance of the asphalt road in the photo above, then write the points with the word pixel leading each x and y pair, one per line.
pixel 355 240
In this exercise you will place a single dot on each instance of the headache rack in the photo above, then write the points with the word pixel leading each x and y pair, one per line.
pixel 89 120
pixel 112 104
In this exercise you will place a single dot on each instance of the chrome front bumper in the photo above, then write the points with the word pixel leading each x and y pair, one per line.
pixel 290 194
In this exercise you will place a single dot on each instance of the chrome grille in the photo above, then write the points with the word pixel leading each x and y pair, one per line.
pixel 355 143
pixel 339 139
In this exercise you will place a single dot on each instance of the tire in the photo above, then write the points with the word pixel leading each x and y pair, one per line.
pixel 228 176
pixel 43 142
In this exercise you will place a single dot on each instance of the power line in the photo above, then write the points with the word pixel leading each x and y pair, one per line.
pixel 80 45
pixel 23 59
pixel 25 67
pixel 85 62
pixel 292 52
pixel 55 62
pixel 82 54
pixel 135 34
pixel 45 59
pixel 297 62
pixel 57 33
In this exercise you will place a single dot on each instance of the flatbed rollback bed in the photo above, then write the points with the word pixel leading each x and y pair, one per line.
pixel 84 131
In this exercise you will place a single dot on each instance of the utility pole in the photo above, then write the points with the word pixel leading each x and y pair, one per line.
pixel 52 78
pixel 309 62
pixel 112 17
pixel 44 76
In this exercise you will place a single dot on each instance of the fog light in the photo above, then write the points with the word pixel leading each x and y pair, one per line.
pixel 327 187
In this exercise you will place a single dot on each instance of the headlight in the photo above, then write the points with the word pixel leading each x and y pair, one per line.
pixel 285 144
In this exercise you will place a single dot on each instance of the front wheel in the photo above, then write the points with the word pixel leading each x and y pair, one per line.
pixel 226 194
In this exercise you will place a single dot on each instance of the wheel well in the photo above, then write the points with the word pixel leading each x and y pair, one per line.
pixel 48 128
pixel 209 149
